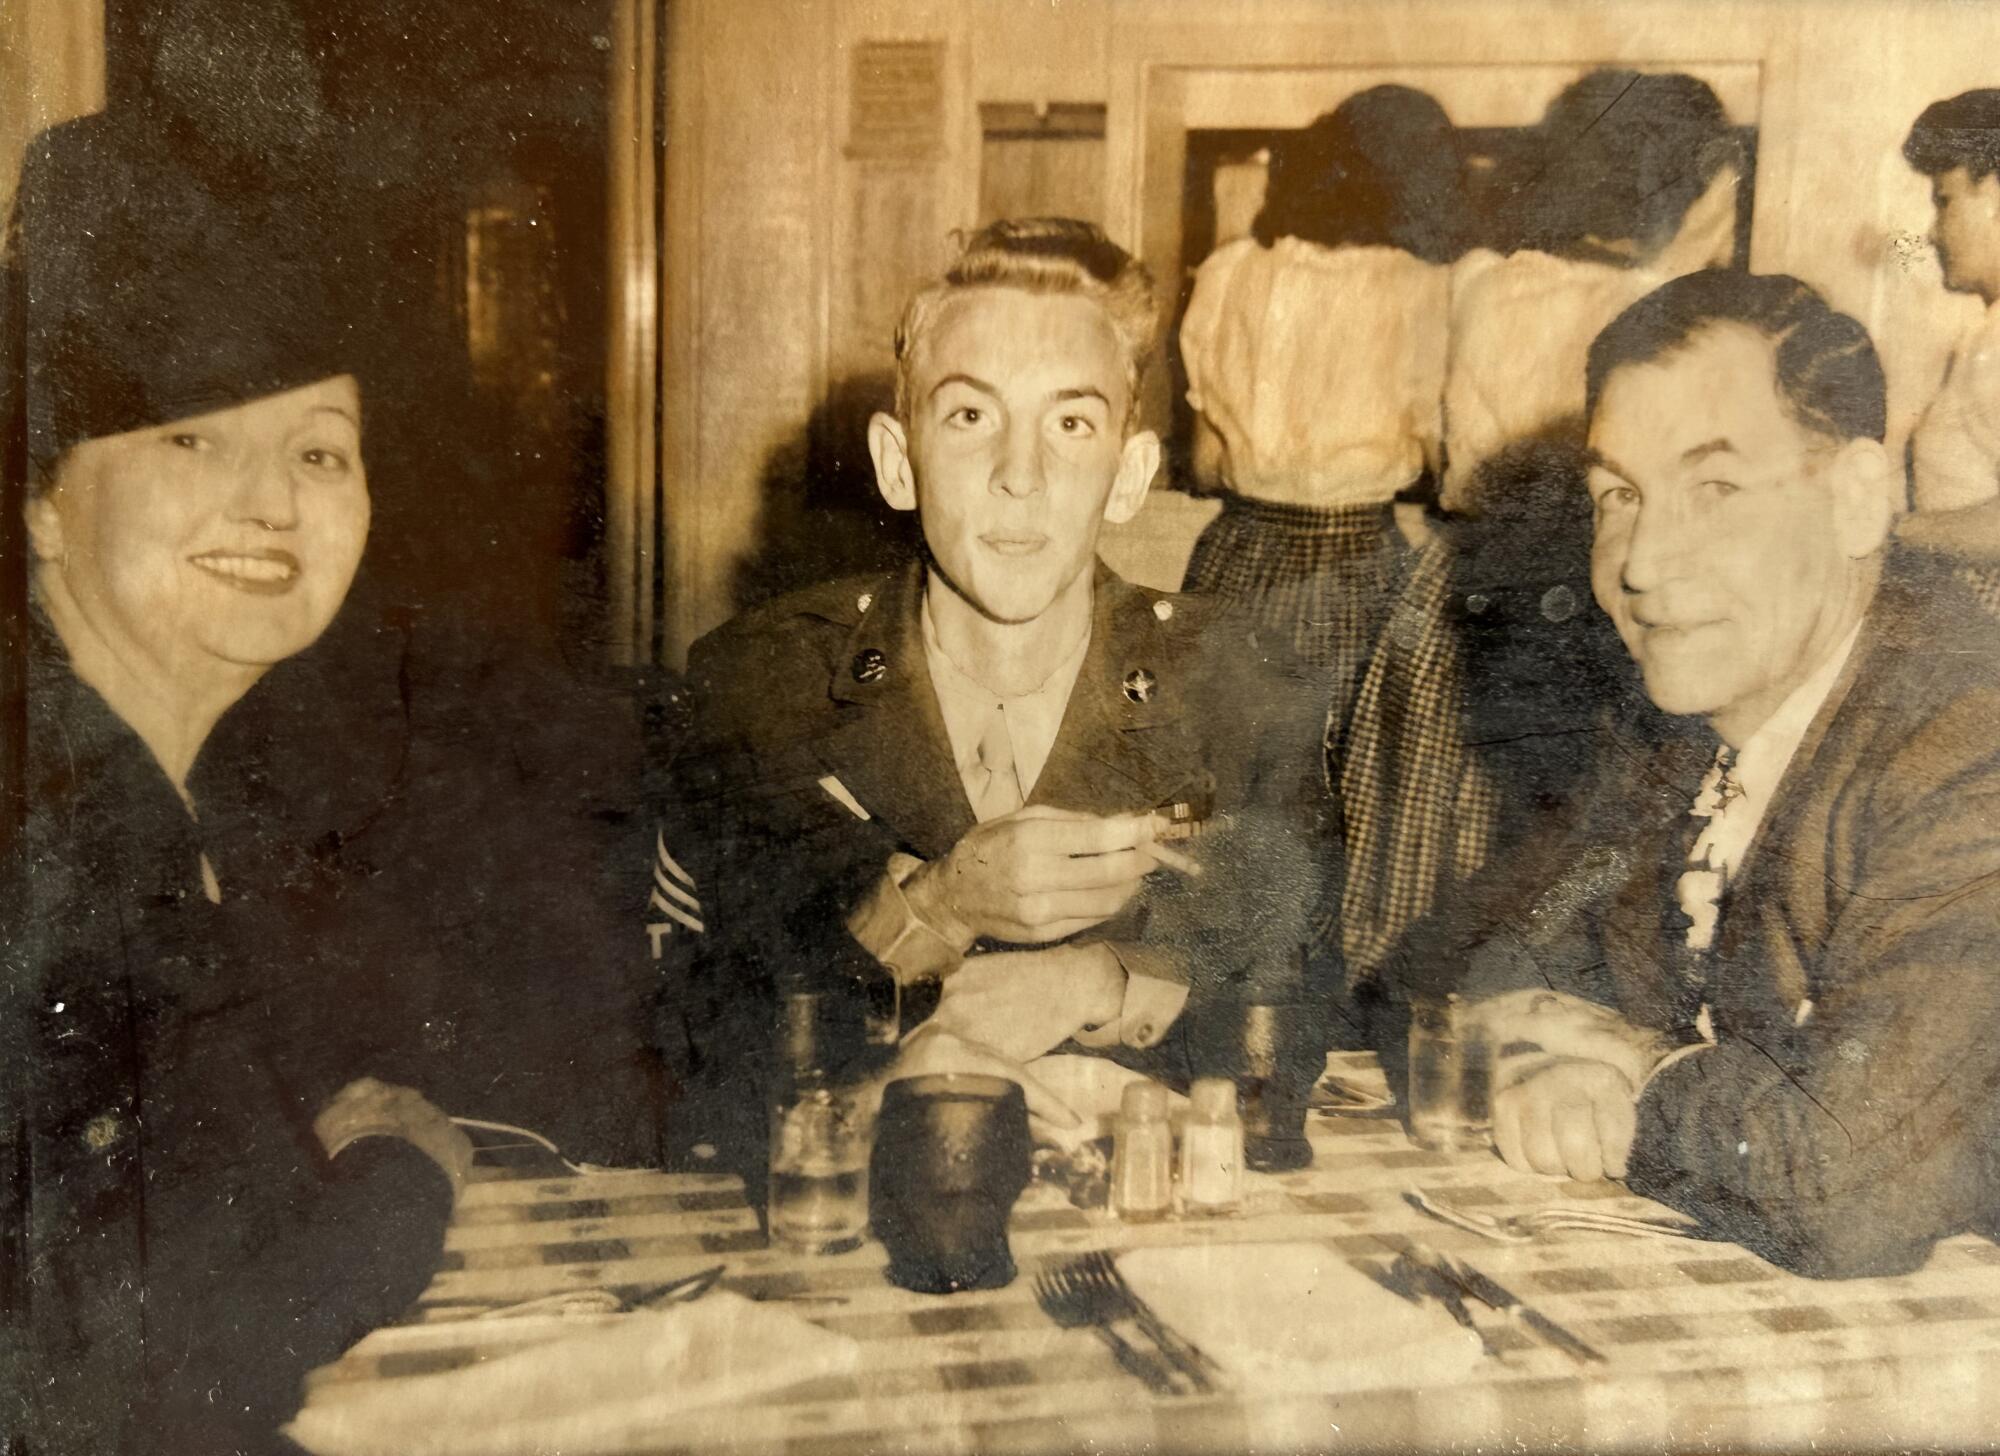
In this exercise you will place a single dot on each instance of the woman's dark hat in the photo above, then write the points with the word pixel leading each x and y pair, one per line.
pixel 147 289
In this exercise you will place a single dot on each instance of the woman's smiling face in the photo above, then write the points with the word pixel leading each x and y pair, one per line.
pixel 231 536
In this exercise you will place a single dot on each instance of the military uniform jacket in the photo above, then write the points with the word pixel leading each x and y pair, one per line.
pixel 821 751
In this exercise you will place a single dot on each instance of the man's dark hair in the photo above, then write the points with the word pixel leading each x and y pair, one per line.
pixel 1962 132
pixel 1622 155
pixel 1827 372
pixel 1384 168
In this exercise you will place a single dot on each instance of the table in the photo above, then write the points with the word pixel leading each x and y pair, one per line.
pixel 1707 1345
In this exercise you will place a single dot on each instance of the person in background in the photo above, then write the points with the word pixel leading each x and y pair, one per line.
pixel 1955 449
pixel 1315 352
pixel 1493 678
pixel 1634 181
pixel 956 782
pixel 1776 1010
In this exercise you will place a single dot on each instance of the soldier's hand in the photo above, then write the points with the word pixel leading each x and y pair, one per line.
pixel 1025 1003
pixel 1039 874
pixel 1569 1026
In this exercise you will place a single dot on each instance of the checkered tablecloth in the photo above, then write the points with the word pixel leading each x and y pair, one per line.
pixel 1707 1345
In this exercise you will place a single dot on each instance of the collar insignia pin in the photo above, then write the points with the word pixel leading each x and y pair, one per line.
pixel 1139 685
pixel 870 665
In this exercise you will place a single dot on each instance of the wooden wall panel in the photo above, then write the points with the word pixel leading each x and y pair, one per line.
pixel 771 339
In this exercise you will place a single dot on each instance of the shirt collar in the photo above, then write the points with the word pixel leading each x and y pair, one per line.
pixel 1033 718
pixel 1763 759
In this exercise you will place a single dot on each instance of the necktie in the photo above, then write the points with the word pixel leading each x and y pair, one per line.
pixel 999 792
pixel 1699 889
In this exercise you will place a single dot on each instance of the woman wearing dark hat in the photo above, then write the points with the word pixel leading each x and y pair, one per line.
pixel 204 1213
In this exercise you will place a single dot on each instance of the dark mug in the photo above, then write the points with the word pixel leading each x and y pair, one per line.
pixel 951 1156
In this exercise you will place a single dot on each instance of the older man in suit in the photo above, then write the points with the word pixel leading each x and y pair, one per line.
pixel 966 784
pixel 1802 1041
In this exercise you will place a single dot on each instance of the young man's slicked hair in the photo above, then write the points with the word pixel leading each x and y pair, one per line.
pixel 1961 132
pixel 1828 374
pixel 1056 255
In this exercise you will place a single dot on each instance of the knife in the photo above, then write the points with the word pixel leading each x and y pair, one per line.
pixel 1492 1295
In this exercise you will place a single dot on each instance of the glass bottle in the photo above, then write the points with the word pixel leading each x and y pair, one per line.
pixel 821 1134
pixel 1282 1055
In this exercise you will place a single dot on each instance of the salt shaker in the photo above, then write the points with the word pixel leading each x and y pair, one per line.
pixel 1142 1155
pixel 1212 1149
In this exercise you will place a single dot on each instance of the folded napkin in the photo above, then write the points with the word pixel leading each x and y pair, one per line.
pixel 1298 1319
pixel 618 1385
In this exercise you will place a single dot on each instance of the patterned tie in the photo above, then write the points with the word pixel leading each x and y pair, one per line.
pixel 999 793
pixel 1699 889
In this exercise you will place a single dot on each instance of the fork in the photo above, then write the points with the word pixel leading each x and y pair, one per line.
pixel 1101 1269
pixel 1521 1228
pixel 1075 1304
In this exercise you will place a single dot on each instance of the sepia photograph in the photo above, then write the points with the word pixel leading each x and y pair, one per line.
pixel 873 727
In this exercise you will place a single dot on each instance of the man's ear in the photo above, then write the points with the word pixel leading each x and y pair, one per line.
pixel 45 527
pixel 1137 465
pixel 889 448
pixel 1864 486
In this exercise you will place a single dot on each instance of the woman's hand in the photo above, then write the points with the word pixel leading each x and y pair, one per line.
pixel 368 1107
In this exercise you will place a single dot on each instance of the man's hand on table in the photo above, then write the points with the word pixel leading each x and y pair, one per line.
pixel 1024 1003
pixel 1566 1080
pixel 1569 1026
pixel 1566 1117
pixel 1039 875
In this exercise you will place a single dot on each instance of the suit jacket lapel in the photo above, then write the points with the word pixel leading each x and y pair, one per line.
pixel 888 744
pixel 1776 903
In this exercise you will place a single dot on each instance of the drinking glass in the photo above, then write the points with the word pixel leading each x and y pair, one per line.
pixel 1450 1076
pixel 818 1200
pixel 951 1157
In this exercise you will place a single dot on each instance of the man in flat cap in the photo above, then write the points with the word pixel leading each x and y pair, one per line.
pixel 966 782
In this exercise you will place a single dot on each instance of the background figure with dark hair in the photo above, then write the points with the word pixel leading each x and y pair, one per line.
pixel 1494 672
pixel 1634 181
pixel 1315 361
pixel 1955 450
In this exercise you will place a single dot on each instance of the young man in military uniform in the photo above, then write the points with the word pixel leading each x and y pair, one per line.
pixel 971 784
